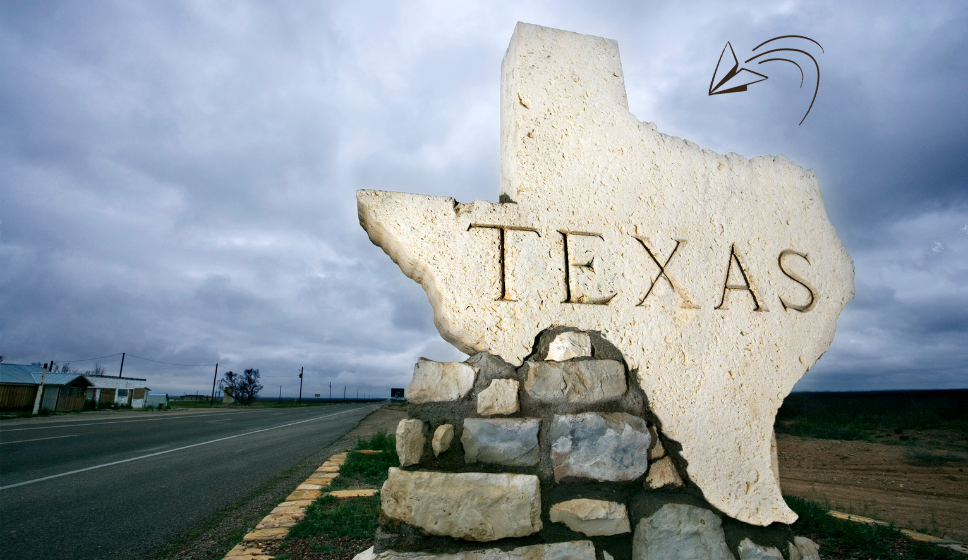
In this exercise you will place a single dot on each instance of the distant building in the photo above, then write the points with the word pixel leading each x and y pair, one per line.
pixel 120 391
pixel 195 398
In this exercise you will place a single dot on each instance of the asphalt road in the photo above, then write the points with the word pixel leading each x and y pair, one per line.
pixel 121 485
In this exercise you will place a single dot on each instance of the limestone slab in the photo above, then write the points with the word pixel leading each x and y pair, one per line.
pixel 575 550
pixel 470 506
pixel 719 277
pixel 749 550
pixel 657 451
pixel 443 435
pixel 601 446
pixel 680 532
pixel 584 382
pixel 500 397
pixel 663 473
pixel 592 517
pixel 411 437
pixel 568 345
pixel 502 441
pixel 440 381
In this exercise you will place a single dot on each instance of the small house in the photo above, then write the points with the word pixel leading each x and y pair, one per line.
pixel 62 392
pixel 121 391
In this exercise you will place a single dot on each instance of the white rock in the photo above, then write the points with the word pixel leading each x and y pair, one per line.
pixel 592 517
pixel 443 435
pixel 602 446
pixel 568 345
pixel 680 532
pixel 367 554
pixel 663 473
pixel 657 451
pixel 748 550
pixel 440 381
pixel 809 550
pixel 576 550
pixel 607 556
pixel 470 506
pixel 500 397
pixel 794 552
pixel 722 275
pixel 585 382
pixel 503 441
pixel 411 437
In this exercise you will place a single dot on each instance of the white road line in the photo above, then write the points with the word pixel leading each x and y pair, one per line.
pixel 38 439
pixel 170 450
pixel 102 422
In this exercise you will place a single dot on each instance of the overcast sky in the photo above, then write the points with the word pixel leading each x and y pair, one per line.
pixel 177 179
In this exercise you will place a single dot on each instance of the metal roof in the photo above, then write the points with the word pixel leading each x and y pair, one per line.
pixel 30 375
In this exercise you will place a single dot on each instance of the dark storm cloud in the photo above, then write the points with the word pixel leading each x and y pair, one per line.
pixel 177 180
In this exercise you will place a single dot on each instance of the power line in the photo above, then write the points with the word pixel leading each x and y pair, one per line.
pixel 90 359
pixel 170 363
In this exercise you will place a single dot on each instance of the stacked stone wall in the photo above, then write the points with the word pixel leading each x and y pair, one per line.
pixel 541 460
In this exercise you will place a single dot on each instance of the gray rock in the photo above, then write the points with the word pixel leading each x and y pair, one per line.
pixel 657 451
pixel 608 446
pixel 749 550
pixel 808 549
pixel 470 506
pixel 584 382
pixel 503 441
pixel 440 381
pixel 576 550
pixel 411 437
pixel 680 532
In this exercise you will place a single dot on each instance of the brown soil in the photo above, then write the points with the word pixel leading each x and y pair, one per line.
pixel 886 482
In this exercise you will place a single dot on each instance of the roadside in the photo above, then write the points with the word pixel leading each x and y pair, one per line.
pixel 213 539
pixel 924 488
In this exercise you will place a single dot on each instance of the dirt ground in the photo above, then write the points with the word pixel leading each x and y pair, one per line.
pixel 886 482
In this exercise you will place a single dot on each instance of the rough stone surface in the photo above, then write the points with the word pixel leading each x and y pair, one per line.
pixel 794 553
pixel 471 506
pixel 808 549
pixel 657 451
pixel 585 382
pixel 592 517
pixel 610 446
pixel 502 441
pixel 722 275
pixel 500 397
pixel 748 550
pixel 411 437
pixel 568 345
pixel 680 532
pixel 440 381
pixel 443 435
pixel 663 473
pixel 576 550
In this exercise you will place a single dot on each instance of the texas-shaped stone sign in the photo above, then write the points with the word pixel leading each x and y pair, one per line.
pixel 719 277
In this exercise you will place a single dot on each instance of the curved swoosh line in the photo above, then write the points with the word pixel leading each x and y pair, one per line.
pixel 815 90
pixel 791 62
pixel 729 75
pixel 788 37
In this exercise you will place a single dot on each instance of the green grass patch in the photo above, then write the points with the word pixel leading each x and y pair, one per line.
pixel 362 470
pixel 840 539
pixel 355 518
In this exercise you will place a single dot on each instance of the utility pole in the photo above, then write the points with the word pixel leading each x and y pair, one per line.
pixel 213 386
pixel 330 391
pixel 122 364
pixel 300 385
pixel 344 393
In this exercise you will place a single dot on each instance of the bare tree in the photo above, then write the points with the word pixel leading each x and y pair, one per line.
pixel 98 369
pixel 245 386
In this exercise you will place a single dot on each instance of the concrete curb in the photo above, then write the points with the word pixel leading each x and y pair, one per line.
pixel 275 526
pixel 913 535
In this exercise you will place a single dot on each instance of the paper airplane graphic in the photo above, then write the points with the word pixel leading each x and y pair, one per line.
pixel 737 79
